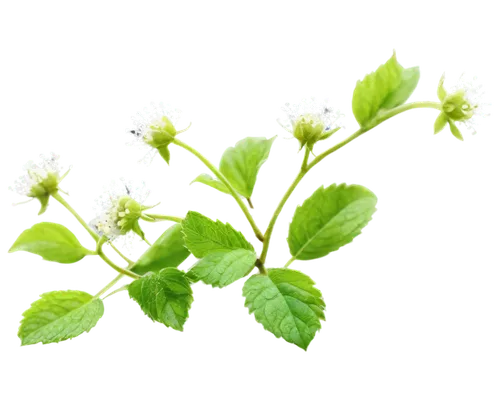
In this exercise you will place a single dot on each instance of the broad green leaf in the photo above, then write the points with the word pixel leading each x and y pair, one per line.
pixel 164 296
pixel 440 122
pixel 371 92
pixel 241 163
pixel 222 268
pixel 455 131
pixel 209 181
pixel 53 242
pixel 168 251
pixel 329 219
pixel 58 316
pixel 409 81
pixel 204 236
pixel 287 304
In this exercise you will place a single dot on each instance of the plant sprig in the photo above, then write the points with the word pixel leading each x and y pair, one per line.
pixel 285 301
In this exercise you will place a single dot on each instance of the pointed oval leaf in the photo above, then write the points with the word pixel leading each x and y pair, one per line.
pixel 58 316
pixel 164 296
pixel 204 236
pixel 222 268
pixel 287 304
pixel 209 181
pixel 168 251
pixel 53 242
pixel 240 164
pixel 409 81
pixel 329 219
pixel 374 87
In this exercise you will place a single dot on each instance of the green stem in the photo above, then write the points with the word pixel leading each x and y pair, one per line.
pixel 291 260
pixel 303 167
pixel 261 267
pixel 130 262
pixel 159 217
pixel 223 179
pixel 110 293
pixel 306 167
pixel 278 208
pixel 109 284
pixel 276 211
pixel 372 124
pixel 249 200
pixel 94 235
pixel 121 270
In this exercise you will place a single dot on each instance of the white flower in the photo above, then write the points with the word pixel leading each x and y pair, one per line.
pixel 40 179
pixel 469 90
pixel 476 93
pixel 119 209
pixel 138 127
pixel 320 109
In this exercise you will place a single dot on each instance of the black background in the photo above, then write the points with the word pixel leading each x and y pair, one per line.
pixel 420 250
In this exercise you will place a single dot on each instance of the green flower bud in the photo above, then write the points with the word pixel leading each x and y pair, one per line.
pixel 160 133
pixel 126 214
pixel 308 129
pixel 457 107
pixel 45 185
pixel 121 218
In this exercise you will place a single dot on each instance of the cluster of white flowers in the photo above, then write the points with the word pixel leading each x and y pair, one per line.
pixel 147 121
pixel 36 172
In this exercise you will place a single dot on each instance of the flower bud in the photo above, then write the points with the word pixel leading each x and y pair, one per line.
pixel 160 133
pixel 457 107
pixel 308 129
pixel 44 185
pixel 126 213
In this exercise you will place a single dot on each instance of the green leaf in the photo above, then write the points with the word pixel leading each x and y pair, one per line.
pixel 222 268
pixel 168 251
pixel 204 236
pixel 241 163
pixel 387 86
pixel 58 316
pixel 409 81
pixel 440 123
pixel 374 87
pixel 53 242
pixel 164 296
pixel 287 304
pixel 455 131
pixel 329 219
pixel 208 180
